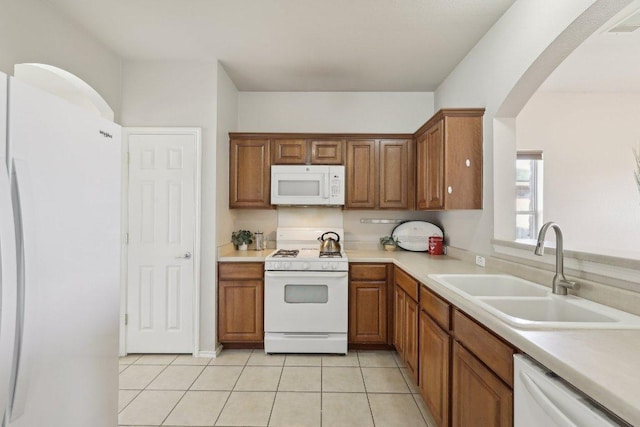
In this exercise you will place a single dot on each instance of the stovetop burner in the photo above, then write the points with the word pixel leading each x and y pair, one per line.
pixel 330 255
pixel 286 253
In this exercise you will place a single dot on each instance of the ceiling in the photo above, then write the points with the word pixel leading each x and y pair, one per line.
pixel 606 62
pixel 297 45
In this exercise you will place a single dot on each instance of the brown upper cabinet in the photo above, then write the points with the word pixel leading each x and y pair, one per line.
pixel 437 168
pixel 289 151
pixel 327 151
pixel 449 160
pixel 308 151
pixel 249 174
pixel 379 174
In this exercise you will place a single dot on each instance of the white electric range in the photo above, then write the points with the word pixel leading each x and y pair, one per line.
pixel 306 295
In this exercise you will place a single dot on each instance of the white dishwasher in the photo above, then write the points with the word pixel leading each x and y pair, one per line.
pixel 541 398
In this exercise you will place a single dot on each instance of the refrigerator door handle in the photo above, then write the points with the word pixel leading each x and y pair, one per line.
pixel 545 402
pixel 26 331
pixel 8 287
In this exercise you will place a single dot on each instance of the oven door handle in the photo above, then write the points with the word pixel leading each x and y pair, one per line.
pixel 322 274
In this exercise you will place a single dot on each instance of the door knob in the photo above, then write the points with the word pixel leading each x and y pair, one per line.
pixel 187 255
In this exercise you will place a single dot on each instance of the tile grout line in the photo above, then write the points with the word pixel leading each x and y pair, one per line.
pixel 321 388
pixel 275 396
pixel 185 391
pixel 366 393
pixel 406 380
pixel 232 389
pixel 134 398
pixel 145 387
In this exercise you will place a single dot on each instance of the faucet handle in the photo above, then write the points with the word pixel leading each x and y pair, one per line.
pixel 568 284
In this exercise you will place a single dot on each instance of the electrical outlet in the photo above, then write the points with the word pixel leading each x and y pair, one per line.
pixel 480 260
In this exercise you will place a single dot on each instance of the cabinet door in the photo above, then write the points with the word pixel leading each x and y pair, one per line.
pixel 249 174
pixel 463 171
pixel 410 329
pixel 289 151
pixel 361 175
pixel 435 167
pixel 398 329
pixel 327 152
pixel 368 312
pixel 435 348
pixel 240 311
pixel 395 174
pixel 478 397
pixel 421 171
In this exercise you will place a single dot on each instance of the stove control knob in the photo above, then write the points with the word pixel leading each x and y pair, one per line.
pixel 286 265
pixel 325 266
pixel 334 266
pixel 305 265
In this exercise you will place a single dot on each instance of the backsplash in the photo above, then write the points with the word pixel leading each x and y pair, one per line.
pixel 356 232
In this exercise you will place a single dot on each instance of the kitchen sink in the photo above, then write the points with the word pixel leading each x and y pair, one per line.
pixel 491 285
pixel 527 305
pixel 547 310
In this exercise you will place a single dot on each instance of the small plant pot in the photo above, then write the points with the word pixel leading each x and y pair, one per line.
pixel 389 248
pixel 242 247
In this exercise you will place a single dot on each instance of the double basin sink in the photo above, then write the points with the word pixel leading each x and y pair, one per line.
pixel 527 305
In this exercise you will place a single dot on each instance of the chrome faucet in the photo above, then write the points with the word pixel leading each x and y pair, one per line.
pixel 560 283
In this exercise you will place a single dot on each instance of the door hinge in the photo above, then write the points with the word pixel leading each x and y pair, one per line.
pixel 127 158
pixel 126 319
pixel 126 238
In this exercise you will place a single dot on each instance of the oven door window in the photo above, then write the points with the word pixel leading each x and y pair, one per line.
pixel 306 294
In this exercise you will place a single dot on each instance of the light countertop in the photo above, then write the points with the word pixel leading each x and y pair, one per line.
pixel 604 364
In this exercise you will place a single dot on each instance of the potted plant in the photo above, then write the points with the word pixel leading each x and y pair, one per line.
pixel 242 238
pixel 389 243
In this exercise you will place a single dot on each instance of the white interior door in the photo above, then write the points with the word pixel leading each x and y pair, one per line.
pixel 162 226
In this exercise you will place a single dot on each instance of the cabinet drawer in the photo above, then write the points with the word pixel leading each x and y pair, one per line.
pixel 435 307
pixel 497 355
pixel 240 270
pixel 369 272
pixel 407 283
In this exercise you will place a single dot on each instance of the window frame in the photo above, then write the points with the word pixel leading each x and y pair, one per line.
pixel 535 189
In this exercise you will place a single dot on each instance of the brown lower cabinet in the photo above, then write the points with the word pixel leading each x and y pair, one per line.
pixel 241 304
pixel 406 320
pixel 435 355
pixel 463 370
pixel 398 324
pixel 369 300
pixel 478 396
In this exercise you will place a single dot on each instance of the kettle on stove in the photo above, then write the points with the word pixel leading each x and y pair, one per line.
pixel 330 245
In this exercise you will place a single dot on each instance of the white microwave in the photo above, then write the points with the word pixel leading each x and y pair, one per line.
pixel 307 185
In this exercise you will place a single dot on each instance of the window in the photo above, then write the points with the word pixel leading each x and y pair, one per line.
pixel 528 194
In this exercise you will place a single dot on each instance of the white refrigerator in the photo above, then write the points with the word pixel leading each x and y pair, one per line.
pixel 59 261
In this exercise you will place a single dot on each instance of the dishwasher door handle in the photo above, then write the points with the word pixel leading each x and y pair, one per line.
pixel 545 402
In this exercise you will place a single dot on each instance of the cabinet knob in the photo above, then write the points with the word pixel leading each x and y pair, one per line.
pixel 467 162
pixel 449 189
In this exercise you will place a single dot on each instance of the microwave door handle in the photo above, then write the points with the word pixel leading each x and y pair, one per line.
pixel 326 186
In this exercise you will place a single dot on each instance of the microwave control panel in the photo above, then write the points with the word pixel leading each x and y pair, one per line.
pixel 336 186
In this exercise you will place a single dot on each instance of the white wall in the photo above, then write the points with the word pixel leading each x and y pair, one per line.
pixel 501 73
pixel 183 94
pixel 589 186
pixel 401 112
pixel 227 107
pixel 34 31
pixel 332 112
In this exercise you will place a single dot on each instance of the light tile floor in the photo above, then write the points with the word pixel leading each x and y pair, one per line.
pixel 249 388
